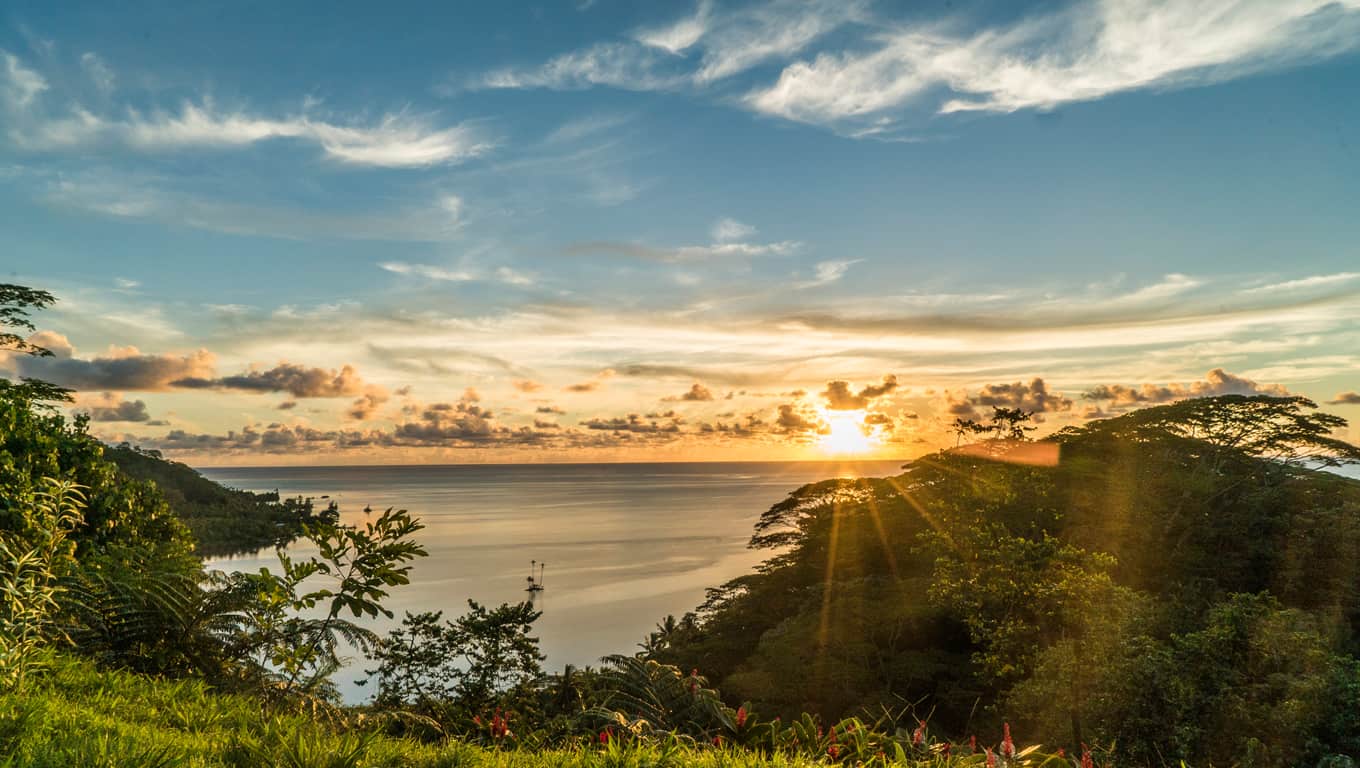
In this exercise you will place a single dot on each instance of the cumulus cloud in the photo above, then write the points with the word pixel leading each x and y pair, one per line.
pixel 444 422
pixel 110 406
pixel 591 385
pixel 526 385
pixel 696 393
pixel 1346 398
pixel 1034 397
pixel 633 422
pixel 793 420
pixel 296 380
pixel 367 405
pixel 1216 382
pixel 840 397
pixel 119 369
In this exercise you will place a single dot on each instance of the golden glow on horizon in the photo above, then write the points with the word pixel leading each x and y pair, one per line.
pixel 846 433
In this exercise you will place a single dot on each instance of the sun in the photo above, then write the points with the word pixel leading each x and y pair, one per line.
pixel 846 434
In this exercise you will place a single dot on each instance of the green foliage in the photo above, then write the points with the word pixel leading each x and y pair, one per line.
pixel 30 565
pixel 457 670
pixel 79 715
pixel 1136 586
pixel 223 521
pixel 352 571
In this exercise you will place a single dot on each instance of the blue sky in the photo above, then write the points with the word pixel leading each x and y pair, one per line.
pixel 543 232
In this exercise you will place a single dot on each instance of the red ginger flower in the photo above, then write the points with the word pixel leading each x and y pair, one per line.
pixel 834 751
pixel 920 735
pixel 1007 746
pixel 604 737
pixel 991 758
pixel 741 717
pixel 1086 760
pixel 972 744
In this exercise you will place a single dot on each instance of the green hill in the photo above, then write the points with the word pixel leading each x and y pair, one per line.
pixel 1159 581
pixel 223 521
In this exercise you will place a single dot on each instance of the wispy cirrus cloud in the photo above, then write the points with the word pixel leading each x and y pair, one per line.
pixel 44 121
pixel 685 253
pixel 139 196
pixel 827 272
pixel 866 81
pixel 1084 52
pixel 708 45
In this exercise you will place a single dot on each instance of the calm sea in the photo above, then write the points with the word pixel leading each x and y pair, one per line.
pixel 624 544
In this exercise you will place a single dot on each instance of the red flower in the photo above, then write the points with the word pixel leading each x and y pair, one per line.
pixel 991 758
pixel 834 751
pixel 920 735
pixel 1007 746
pixel 1086 759
pixel 972 744
pixel 741 717
pixel 604 737
pixel 1062 752
pixel 477 720
pixel 948 748
pixel 717 741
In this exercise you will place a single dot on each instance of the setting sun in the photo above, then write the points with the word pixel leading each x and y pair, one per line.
pixel 846 433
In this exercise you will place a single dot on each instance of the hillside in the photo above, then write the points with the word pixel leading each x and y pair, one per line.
pixel 223 521
pixel 1177 565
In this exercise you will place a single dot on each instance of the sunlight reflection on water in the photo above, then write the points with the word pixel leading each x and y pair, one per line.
pixel 625 544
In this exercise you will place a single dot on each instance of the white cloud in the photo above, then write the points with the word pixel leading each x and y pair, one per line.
pixel 828 272
pixel 21 84
pixel 781 248
pixel 1307 283
pixel 1088 51
pixel 431 272
pixel 680 35
pixel 98 72
pixel 584 127
pixel 726 230
pixel 774 30
pixel 619 65
pixel 397 140
pixel 661 58
pixel 686 253
pixel 1170 285
pixel 513 277
pixel 143 197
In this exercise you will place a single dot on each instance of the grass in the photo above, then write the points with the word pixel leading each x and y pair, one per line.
pixel 78 715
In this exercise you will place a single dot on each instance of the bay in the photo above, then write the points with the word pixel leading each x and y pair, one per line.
pixel 624 544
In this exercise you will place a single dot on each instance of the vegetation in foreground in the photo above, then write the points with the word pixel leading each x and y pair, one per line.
pixel 76 715
pixel 1173 586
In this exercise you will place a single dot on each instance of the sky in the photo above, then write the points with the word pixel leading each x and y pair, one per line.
pixel 583 230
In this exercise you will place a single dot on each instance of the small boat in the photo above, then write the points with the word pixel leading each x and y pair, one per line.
pixel 535 584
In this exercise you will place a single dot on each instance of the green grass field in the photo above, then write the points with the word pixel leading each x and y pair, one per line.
pixel 76 715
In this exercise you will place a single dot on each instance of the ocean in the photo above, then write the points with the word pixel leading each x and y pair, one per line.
pixel 624 544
